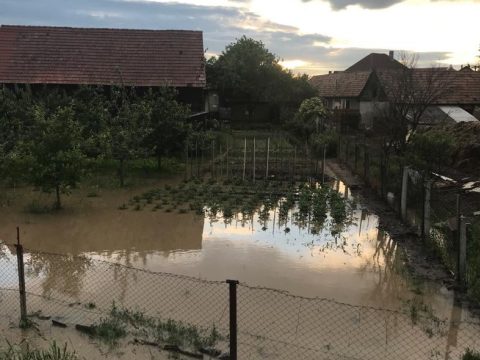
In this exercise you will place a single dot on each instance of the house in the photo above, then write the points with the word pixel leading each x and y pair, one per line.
pixel 369 86
pixel 69 57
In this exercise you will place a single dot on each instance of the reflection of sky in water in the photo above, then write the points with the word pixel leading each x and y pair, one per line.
pixel 8 267
pixel 355 238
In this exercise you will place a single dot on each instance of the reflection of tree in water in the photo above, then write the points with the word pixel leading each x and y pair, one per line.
pixel 60 273
pixel 387 262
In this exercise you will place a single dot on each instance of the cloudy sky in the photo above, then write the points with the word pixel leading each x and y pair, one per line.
pixel 312 36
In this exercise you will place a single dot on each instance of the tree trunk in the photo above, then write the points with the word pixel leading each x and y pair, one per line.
pixel 58 203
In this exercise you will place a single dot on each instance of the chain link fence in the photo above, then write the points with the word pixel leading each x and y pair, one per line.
pixel 436 207
pixel 270 324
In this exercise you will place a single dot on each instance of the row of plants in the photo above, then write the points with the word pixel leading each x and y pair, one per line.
pixel 304 203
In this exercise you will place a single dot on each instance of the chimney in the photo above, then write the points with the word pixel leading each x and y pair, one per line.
pixel 391 54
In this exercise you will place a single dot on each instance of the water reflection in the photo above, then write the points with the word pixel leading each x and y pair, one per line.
pixel 314 254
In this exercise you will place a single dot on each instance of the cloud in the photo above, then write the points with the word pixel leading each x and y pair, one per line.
pixel 221 25
pixel 366 4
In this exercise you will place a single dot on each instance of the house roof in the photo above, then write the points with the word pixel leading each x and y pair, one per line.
pixel 452 87
pixel 376 61
pixel 341 84
pixel 92 56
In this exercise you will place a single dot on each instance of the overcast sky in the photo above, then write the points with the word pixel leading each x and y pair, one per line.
pixel 312 36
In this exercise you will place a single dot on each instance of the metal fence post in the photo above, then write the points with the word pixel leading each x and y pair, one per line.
pixel 233 318
pixel 21 282
pixel 462 254
pixel 403 200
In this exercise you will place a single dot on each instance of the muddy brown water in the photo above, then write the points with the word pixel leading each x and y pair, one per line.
pixel 359 265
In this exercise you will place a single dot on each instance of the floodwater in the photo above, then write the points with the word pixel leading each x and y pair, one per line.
pixel 354 263
pixel 358 264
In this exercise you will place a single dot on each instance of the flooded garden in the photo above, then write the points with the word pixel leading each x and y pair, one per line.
pixel 176 242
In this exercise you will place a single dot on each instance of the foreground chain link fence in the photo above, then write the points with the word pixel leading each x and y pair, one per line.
pixel 270 324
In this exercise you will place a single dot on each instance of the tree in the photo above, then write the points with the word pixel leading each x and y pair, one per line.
pixel 309 119
pixel 167 130
pixel 126 127
pixel 54 151
pixel 247 72
pixel 410 92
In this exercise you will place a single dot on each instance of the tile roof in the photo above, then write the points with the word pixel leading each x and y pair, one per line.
pixel 455 87
pixel 376 61
pixel 60 55
pixel 341 84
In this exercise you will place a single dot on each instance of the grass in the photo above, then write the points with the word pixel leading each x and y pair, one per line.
pixel 471 355
pixel 121 322
pixel 54 352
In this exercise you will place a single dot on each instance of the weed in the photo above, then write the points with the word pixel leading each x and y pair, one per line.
pixel 54 352
pixel 123 207
pixel 35 207
pixel 471 355
pixel 110 330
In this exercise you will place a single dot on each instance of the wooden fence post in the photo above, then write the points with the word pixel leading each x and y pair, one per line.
pixel 268 158
pixel 253 170
pixel 244 158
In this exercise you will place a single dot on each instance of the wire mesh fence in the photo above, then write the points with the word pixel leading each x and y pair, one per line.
pixel 436 217
pixel 270 323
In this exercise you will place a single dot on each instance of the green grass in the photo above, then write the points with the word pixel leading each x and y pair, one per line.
pixel 121 322
pixel 471 355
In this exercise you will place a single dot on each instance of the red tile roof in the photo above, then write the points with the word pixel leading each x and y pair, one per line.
pixel 341 84
pixel 457 87
pixel 376 61
pixel 60 55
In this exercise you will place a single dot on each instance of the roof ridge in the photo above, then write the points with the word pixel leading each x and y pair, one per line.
pixel 10 26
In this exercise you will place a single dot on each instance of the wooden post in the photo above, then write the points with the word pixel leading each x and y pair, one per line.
pixel 323 162
pixel 356 157
pixel 294 162
pixel 244 158
pixel 228 174
pixel 462 254
pixel 253 170
pixel 21 282
pixel 403 199
pixel 213 158
pixel 268 157
pixel 426 210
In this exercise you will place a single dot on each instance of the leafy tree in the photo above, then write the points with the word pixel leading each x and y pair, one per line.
pixel 168 129
pixel 247 72
pixel 126 127
pixel 430 151
pixel 309 119
pixel 54 150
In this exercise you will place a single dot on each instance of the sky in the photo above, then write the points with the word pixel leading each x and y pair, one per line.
pixel 309 36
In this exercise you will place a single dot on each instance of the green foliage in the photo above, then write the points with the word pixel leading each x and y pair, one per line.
pixel 54 352
pixel 248 72
pixel 471 355
pixel 54 150
pixel 430 151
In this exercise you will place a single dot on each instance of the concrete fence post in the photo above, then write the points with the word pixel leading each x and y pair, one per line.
pixel 462 254
pixel 426 210
pixel 403 199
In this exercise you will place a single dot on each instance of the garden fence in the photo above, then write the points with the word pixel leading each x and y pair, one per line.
pixel 257 322
pixel 442 211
